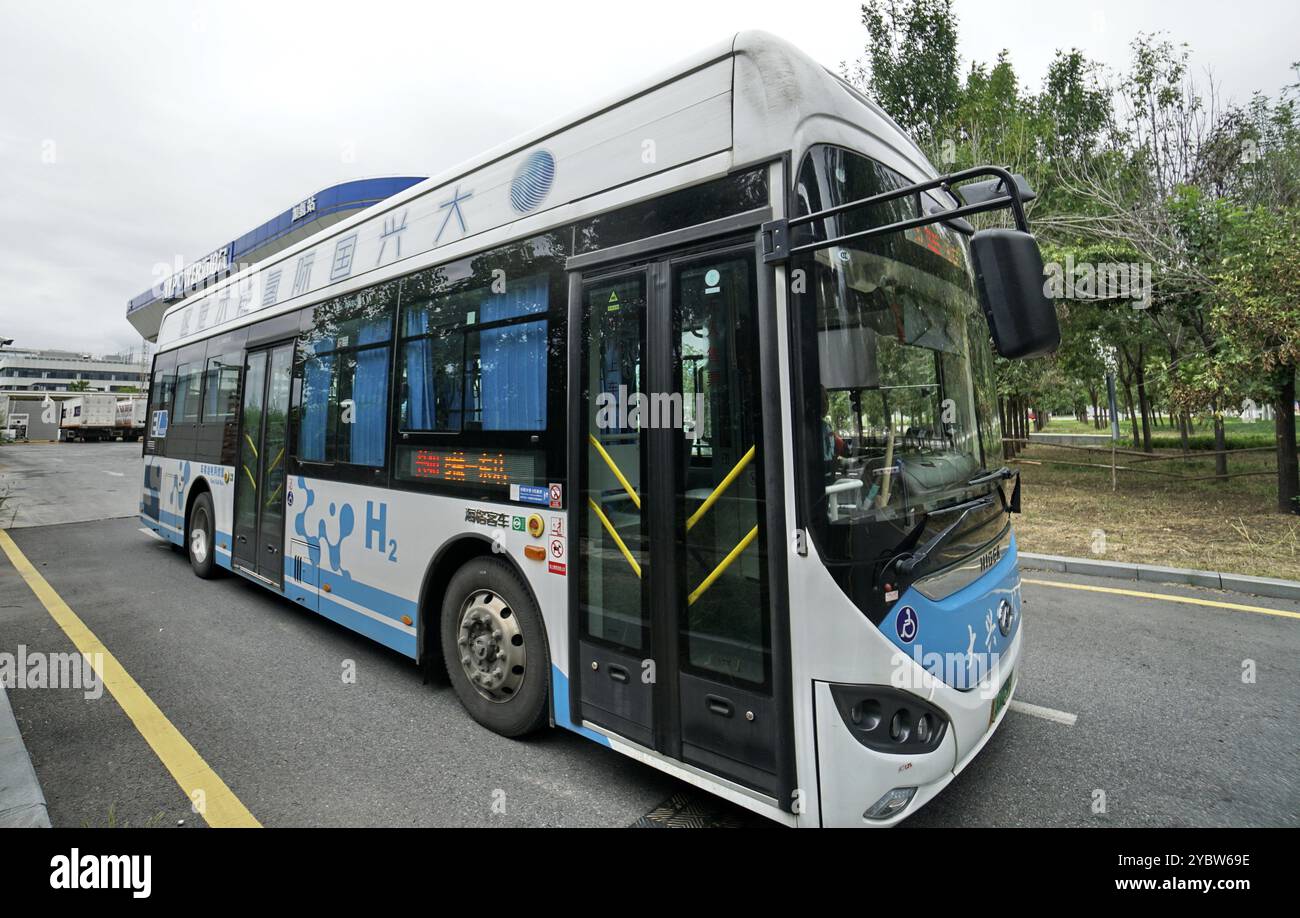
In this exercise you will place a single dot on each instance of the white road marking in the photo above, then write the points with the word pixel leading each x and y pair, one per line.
pixel 1055 716
pixel 117 474
pixel 150 532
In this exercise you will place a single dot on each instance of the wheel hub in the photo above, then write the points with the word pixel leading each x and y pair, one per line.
pixel 199 539
pixel 491 646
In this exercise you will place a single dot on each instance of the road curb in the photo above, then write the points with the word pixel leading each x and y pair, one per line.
pixel 1151 573
pixel 22 803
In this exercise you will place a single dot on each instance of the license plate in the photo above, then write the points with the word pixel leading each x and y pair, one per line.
pixel 1000 701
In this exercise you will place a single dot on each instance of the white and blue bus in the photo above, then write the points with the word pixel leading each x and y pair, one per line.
pixel 672 425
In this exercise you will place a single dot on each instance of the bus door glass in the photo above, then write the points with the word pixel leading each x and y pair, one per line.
pixel 260 477
pixel 674 631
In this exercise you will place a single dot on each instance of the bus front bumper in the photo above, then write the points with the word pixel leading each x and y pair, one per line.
pixel 854 778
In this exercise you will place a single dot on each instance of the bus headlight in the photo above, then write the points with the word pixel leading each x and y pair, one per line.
pixel 887 719
pixel 894 802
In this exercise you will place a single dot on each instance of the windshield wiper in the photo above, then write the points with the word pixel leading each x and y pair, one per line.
pixel 985 476
pixel 910 561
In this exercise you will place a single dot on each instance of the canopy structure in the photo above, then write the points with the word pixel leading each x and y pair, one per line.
pixel 310 215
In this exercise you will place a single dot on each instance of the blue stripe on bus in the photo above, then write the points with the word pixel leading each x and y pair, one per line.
pixel 170 533
pixel 389 605
pixel 372 598
pixel 560 702
pixel 400 641
pixel 945 627
pixel 168 525
pixel 384 603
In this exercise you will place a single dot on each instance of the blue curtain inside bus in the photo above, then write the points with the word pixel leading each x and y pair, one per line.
pixel 512 387
pixel 495 378
pixel 512 365
pixel 318 376
pixel 527 296
pixel 370 405
pixel 433 376
pixel 361 441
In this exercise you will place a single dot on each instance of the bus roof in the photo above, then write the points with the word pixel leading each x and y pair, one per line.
pixel 747 100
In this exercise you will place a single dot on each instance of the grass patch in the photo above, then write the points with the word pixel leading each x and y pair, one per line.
pixel 1237 434
pixel 1231 526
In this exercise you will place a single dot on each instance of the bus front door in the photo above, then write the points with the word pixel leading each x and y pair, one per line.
pixel 260 476
pixel 671 601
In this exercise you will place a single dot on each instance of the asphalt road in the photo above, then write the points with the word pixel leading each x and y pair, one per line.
pixel 1164 725
pixel 46 483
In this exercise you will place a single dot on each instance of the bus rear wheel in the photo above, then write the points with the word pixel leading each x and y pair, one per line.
pixel 199 542
pixel 494 647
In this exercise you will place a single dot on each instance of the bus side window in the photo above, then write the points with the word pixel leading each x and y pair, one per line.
pixel 474 357
pixel 189 380
pixel 343 364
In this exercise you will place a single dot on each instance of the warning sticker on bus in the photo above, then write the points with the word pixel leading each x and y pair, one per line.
pixel 530 494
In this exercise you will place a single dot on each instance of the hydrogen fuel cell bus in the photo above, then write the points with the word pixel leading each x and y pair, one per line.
pixel 671 424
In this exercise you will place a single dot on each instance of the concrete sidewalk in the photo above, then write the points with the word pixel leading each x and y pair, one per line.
pixel 1150 573
pixel 22 804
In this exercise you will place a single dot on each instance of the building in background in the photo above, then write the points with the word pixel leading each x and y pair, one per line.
pixel 65 371
pixel 34 384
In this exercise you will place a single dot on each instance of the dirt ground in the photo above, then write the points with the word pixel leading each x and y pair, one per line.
pixel 1221 526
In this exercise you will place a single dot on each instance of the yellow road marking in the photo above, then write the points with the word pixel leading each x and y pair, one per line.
pixel 1214 603
pixel 222 808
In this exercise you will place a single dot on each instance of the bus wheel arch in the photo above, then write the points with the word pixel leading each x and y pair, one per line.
pixel 433 589
pixel 433 593
pixel 202 558
pixel 199 486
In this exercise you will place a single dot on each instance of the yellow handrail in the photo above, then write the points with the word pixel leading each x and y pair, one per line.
pixel 726 563
pixel 613 467
pixel 613 534
pixel 717 492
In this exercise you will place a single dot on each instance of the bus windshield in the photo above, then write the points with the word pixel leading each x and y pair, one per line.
pixel 898 421
pixel 900 400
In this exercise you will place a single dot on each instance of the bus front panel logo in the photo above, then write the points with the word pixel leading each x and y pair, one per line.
pixel 1006 616
pixel 907 624
pixel 531 183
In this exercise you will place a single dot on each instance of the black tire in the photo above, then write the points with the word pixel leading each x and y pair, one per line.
pixel 495 605
pixel 200 541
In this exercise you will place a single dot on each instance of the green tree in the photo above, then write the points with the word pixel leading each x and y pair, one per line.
pixel 1259 318
pixel 911 64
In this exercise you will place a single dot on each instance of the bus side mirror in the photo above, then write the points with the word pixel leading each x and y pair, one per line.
pixel 1010 280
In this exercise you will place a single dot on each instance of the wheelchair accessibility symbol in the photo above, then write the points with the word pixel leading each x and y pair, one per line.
pixel 907 624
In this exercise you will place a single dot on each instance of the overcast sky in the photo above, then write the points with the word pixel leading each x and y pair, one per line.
pixel 134 133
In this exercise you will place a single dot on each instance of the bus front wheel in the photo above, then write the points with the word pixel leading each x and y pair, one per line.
pixel 199 541
pixel 494 646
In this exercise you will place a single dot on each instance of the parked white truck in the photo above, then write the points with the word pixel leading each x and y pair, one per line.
pixel 131 411
pixel 92 416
